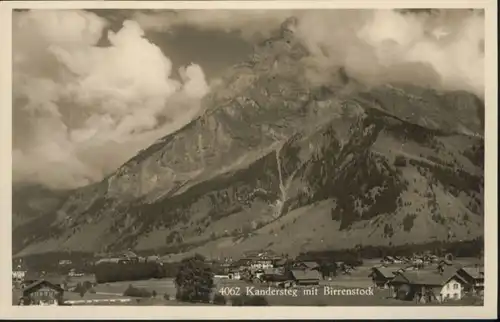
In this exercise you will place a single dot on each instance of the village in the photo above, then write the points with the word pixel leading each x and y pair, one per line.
pixel 423 279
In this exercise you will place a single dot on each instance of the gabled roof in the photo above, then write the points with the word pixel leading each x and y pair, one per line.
pixel 280 262
pixel 305 275
pixel 474 272
pixel 428 277
pixel 445 261
pixel 309 264
pixel 384 271
pixel 43 281
pixel 108 260
pixel 129 254
pixel 269 271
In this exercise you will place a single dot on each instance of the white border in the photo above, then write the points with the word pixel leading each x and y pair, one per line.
pixel 489 310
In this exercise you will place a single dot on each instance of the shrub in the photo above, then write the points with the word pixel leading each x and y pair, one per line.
pixel 408 222
pixel 137 292
pixel 219 299
pixel 400 161
pixel 87 285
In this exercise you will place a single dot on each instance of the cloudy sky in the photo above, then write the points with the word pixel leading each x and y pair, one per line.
pixel 91 88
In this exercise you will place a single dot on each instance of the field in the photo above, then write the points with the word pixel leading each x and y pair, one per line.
pixel 166 286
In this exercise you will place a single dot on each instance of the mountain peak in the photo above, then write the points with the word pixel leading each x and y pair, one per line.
pixel 287 28
pixel 278 160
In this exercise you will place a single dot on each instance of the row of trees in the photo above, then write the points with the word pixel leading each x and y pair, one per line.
pixel 467 248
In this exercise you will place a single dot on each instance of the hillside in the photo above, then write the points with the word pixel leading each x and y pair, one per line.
pixel 277 161
pixel 32 201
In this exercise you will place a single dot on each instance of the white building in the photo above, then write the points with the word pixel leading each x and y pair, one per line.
pixel 452 289
pixel 18 275
pixel 424 287
pixel 261 264
pixel 234 275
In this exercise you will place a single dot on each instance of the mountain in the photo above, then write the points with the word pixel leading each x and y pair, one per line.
pixel 278 161
pixel 30 201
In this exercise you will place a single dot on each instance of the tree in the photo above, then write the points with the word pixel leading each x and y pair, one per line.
pixel 80 289
pixel 194 280
pixel 87 285
pixel 137 292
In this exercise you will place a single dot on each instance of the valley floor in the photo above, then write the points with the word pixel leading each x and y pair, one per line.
pixel 112 293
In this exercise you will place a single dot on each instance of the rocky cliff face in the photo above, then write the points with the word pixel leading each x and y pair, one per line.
pixel 275 161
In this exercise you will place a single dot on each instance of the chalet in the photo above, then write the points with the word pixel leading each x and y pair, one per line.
pixel 388 260
pixel 54 279
pixel 430 286
pixel 308 265
pixel 42 292
pixel 381 276
pixel 418 262
pixel 65 262
pixel 234 274
pixel 274 279
pixel 433 259
pixel 257 260
pixel 261 263
pixel 18 275
pixel 474 276
pixel 397 260
pixel 405 259
pixel 304 277
pixel 73 273
pixel 281 262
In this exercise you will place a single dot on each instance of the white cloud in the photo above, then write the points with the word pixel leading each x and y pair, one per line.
pixel 249 23
pixel 90 108
pixel 81 110
pixel 384 45
pixel 441 49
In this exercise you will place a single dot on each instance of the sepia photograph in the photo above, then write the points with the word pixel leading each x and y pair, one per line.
pixel 288 157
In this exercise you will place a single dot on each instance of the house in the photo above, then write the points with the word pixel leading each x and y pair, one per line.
pixel 307 265
pixel 261 263
pixel 430 286
pixel 388 260
pixel 281 262
pixel 42 292
pixel 381 276
pixel 418 262
pixel 433 258
pixel 72 273
pixel 397 260
pixel 55 279
pixel 474 276
pixel 65 262
pixel 18 275
pixel 256 260
pixel 304 277
pixel 405 259
pixel 234 274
